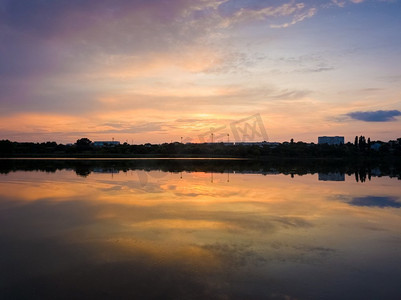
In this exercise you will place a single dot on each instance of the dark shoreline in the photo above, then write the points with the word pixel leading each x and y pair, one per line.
pixel 261 150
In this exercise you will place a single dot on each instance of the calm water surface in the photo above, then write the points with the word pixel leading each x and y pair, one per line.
pixel 137 234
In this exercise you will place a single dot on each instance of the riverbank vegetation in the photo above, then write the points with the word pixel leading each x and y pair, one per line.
pixel 362 148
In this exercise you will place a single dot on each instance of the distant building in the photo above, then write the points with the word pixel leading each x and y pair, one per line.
pixel 375 146
pixel 106 143
pixel 260 144
pixel 331 140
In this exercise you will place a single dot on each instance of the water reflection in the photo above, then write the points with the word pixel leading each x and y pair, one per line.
pixel 236 234
pixel 332 176
pixel 328 170
pixel 376 201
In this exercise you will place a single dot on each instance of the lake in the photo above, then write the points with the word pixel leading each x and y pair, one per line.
pixel 198 229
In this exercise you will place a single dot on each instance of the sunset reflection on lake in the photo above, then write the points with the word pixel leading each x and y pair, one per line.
pixel 198 235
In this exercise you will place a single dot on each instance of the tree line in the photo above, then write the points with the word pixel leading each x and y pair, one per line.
pixel 84 147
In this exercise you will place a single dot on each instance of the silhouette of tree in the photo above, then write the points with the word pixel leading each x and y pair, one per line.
pixel 362 143
pixel 83 143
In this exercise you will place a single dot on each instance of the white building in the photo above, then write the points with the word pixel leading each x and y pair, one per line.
pixel 105 143
pixel 331 140
pixel 376 146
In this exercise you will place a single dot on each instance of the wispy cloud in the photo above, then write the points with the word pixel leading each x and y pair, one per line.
pixel 317 69
pixel 339 3
pixel 342 3
pixel 375 116
pixel 294 12
pixel 297 18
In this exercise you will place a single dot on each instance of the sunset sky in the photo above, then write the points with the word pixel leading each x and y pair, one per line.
pixel 157 70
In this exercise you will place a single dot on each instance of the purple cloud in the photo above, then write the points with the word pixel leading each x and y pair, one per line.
pixel 375 116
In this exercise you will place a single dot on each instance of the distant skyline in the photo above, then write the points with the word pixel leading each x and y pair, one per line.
pixel 155 71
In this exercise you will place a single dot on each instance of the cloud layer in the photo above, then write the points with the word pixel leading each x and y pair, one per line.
pixel 375 116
